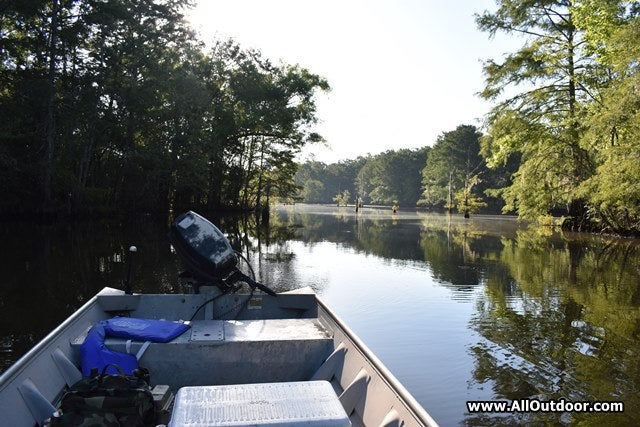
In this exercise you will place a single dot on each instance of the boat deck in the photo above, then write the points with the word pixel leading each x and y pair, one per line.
pixel 292 339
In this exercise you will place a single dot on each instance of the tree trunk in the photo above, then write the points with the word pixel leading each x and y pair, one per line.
pixel 214 195
pixel 49 123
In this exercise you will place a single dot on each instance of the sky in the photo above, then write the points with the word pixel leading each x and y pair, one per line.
pixel 401 72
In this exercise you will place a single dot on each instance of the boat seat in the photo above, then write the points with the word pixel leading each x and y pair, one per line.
pixel 308 403
pixel 234 351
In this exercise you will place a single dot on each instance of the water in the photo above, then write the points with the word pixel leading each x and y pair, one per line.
pixel 458 310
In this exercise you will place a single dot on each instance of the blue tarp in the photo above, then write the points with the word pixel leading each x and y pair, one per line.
pixel 95 354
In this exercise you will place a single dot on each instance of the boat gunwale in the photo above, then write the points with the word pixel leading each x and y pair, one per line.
pixel 36 351
pixel 404 396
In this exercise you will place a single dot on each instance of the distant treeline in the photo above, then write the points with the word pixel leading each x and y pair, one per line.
pixel 564 127
pixel 450 175
pixel 382 179
pixel 116 106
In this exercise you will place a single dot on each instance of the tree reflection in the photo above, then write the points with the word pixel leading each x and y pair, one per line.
pixel 461 254
pixel 565 326
pixel 48 271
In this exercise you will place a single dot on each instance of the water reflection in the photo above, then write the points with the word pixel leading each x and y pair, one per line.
pixel 556 315
pixel 499 310
pixel 572 332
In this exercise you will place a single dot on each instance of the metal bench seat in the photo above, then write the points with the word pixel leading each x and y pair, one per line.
pixel 234 351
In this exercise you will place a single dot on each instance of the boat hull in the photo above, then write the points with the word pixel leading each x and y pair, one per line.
pixel 233 340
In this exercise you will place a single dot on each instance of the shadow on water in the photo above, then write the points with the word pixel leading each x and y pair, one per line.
pixel 48 271
pixel 548 315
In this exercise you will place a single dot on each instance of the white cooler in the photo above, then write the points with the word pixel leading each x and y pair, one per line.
pixel 305 403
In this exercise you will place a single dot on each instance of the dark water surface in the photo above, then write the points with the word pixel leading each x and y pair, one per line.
pixel 458 310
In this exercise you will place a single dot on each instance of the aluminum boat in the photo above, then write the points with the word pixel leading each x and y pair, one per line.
pixel 252 358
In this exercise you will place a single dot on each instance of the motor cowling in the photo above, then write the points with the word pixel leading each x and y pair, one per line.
pixel 203 248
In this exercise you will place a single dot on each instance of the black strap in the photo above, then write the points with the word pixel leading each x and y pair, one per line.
pixel 104 373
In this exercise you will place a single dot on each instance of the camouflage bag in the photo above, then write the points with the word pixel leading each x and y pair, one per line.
pixel 108 400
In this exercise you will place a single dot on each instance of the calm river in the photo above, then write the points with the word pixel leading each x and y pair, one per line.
pixel 458 310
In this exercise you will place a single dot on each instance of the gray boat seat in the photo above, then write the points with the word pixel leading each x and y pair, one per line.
pixel 38 405
pixel 68 370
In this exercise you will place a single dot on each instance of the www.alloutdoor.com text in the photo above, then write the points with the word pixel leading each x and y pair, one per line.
pixel 535 405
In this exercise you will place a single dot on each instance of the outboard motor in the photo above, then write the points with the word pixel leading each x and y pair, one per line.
pixel 207 254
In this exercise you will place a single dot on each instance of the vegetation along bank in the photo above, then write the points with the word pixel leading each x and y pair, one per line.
pixel 118 107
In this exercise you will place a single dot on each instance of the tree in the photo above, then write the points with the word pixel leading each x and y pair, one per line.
pixel 466 200
pixel 29 73
pixel 454 163
pixel 312 191
pixel 612 32
pixel 381 179
pixel 392 176
pixel 272 109
pixel 369 178
pixel 541 123
pixel 116 106
pixel 342 198
pixel 90 75
pixel 574 121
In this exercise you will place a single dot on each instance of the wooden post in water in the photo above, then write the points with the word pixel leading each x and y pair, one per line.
pixel 450 207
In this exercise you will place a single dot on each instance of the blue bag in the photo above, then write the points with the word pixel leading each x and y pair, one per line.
pixel 95 354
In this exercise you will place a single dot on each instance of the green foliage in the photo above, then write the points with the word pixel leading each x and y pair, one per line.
pixel 614 190
pixel 574 122
pixel 466 201
pixel 313 190
pixel 134 115
pixel 343 198
pixel 392 177
pixel 613 128
pixel 454 166
pixel 380 179
pixel 599 19
pixel 335 178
